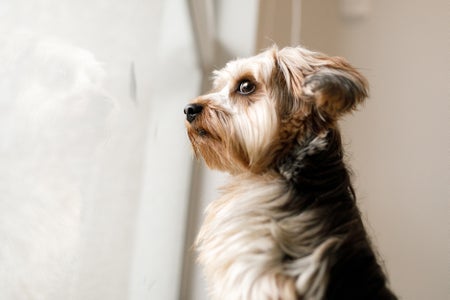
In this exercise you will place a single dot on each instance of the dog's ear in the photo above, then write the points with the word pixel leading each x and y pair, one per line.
pixel 330 84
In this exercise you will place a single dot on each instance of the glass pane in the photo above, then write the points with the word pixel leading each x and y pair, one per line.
pixel 95 162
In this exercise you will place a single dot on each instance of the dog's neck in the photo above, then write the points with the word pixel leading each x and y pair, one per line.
pixel 315 168
pixel 300 237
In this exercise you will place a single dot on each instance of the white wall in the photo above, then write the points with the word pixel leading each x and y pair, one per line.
pixel 161 217
pixel 398 143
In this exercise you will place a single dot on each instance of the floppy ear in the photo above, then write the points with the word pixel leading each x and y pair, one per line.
pixel 330 84
pixel 336 88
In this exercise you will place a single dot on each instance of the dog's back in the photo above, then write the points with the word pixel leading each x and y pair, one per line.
pixel 322 186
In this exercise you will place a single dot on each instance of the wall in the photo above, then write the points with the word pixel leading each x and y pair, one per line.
pixel 161 215
pixel 398 143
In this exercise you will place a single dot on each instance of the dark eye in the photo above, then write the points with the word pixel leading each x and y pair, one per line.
pixel 246 87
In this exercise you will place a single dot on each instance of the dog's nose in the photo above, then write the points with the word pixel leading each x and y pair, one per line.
pixel 192 110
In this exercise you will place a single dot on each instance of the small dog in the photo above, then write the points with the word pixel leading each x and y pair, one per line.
pixel 287 225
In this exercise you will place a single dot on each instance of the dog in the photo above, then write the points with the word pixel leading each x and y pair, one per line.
pixel 287 225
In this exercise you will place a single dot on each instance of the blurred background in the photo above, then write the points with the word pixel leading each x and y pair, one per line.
pixel 100 196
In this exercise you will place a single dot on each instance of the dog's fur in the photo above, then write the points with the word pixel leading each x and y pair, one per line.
pixel 287 225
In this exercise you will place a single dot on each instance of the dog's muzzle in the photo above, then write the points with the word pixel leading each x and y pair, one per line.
pixel 192 111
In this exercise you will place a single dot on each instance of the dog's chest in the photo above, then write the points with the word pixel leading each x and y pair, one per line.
pixel 238 250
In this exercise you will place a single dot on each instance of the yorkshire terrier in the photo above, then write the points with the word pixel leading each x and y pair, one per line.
pixel 287 225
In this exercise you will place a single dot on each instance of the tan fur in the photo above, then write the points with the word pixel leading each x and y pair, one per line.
pixel 251 245
pixel 245 236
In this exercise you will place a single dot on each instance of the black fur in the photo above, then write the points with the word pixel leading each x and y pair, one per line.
pixel 321 182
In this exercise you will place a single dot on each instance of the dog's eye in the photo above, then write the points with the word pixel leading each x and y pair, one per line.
pixel 246 87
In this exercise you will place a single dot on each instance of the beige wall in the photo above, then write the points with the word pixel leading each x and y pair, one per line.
pixel 398 143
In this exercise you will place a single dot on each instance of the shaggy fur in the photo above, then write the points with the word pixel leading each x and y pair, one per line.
pixel 287 225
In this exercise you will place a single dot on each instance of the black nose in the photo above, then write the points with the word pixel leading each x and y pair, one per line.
pixel 192 110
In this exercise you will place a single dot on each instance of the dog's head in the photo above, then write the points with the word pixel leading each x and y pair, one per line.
pixel 260 106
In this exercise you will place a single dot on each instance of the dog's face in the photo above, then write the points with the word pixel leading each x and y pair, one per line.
pixel 260 106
